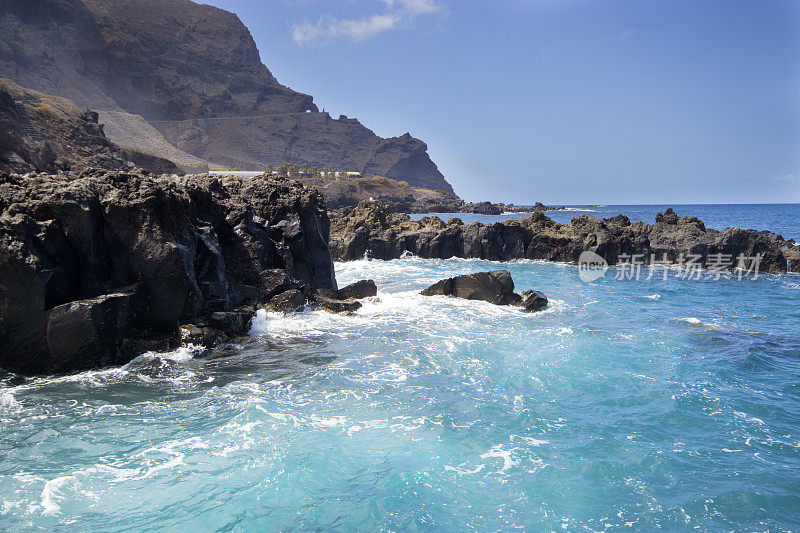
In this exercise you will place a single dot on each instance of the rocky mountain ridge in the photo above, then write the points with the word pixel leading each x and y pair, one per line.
pixel 194 73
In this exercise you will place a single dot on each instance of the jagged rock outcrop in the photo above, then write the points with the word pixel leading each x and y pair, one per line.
pixel 375 230
pixel 193 71
pixel 344 299
pixel 40 132
pixel 97 267
pixel 495 287
pixel 360 289
pixel 344 192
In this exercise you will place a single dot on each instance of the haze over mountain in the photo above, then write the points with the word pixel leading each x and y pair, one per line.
pixel 45 133
pixel 194 74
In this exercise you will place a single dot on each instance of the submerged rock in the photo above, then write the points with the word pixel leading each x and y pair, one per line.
pixel 532 300
pixel 495 287
pixel 94 266
pixel 360 289
pixel 335 306
pixel 232 323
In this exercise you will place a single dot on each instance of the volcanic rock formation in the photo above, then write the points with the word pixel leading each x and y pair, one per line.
pixel 496 287
pixel 373 229
pixel 98 267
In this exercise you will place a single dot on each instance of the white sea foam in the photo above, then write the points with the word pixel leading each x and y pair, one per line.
pixel 52 496
pixel 653 296
pixel 694 321
pixel 8 402
pixel 181 355
pixel 390 309
pixel 498 452
pixel 529 440
pixel 463 470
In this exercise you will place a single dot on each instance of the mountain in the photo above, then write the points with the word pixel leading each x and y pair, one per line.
pixel 194 73
pixel 45 133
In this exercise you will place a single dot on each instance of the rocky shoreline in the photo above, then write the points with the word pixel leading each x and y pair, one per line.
pixel 374 230
pixel 101 266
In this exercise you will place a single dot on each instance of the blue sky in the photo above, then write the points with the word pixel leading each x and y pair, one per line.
pixel 560 101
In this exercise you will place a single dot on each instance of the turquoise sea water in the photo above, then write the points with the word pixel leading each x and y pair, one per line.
pixel 780 218
pixel 624 405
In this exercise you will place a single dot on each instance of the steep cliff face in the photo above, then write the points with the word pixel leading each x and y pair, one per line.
pixel 183 60
pixel 194 72
pixel 161 59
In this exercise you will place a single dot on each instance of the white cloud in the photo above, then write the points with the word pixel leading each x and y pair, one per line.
pixel 327 28
pixel 789 177
pixel 415 7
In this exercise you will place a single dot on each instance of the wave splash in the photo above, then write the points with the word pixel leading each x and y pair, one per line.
pixel 467 407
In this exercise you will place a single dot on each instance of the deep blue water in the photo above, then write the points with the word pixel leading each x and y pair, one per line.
pixel 624 405
pixel 780 218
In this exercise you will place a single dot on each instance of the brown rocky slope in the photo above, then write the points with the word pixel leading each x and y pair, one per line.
pixel 47 133
pixel 348 191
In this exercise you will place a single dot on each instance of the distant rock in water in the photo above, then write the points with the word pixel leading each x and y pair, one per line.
pixel 194 73
pixel 532 300
pixel 482 208
pixel 98 267
pixel 360 289
pixel 495 287
pixel 380 233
